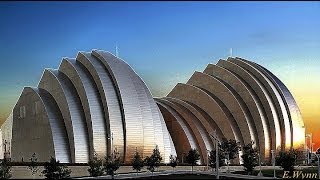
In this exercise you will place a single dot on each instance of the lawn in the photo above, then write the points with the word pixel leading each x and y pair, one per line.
pixel 183 176
pixel 279 173
pixel 265 172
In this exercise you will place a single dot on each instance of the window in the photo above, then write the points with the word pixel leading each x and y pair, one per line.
pixel 35 108
pixel 22 112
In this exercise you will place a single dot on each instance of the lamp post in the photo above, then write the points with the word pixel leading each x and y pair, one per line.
pixel 310 143
pixel 217 155
pixel 273 164
pixel 307 151
pixel 208 159
pixel 260 173
pixel 182 158
pixel 228 159
pixel 112 142
pixel 111 139
pixel 215 137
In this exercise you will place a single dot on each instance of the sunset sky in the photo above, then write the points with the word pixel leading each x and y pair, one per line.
pixel 164 42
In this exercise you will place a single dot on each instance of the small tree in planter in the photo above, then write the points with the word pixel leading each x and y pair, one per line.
pixel 5 169
pixel 173 161
pixel 33 165
pixel 192 158
pixel 250 157
pixel 112 163
pixel 154 160
pixel 55 170
pixel 212 159
pixel 137 162
pixel 287 160
pixel 230 147
pixel 95 166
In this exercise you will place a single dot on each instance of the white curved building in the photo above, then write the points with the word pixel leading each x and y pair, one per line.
pixel 97 103
pixel 94 103
pixel 242 101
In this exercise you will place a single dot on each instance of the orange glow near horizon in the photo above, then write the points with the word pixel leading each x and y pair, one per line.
pixel 307 98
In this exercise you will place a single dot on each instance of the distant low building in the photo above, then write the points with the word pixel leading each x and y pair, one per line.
pixel 6 136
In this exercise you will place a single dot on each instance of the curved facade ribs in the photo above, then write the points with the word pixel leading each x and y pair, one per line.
pixel 58 129
pixel 96 103
pixel 295 118
pixel 113 111
pixel 160 128
pixel 201 138
pixel 213 124
pixel 225 96
pixel 140 118
pixel 262 108
pixel 276 99
pixel 181 134
pixel 41 105
pixel 241 93
pixel 69 104
pixel 91 103
pixel 220 115
pixel 203 119
pixel 50 84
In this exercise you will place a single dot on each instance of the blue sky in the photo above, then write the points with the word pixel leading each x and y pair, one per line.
pixel 165 42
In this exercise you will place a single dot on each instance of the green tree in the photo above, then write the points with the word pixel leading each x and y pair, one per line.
pixel 95 166
pixel 212 159
pixel 137 162
pixel 5 169
pixel 113 163
pixel 192 158
pixel 154 160
pixel 55 170
pixel 287 160
pixel 33 165
pixel 250 157
pixel 173 161
pixel 230 147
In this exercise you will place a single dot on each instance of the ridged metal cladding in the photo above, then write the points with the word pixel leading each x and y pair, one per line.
pixel 109 95
pixel 277 101
pixel 246 103
pixel 256 104
pixel 51 126
pixel 218 113
pixel 180 132
pixel 95 103
pixel 143 121
pixel 203 118
pixel 71 104
pixel 295 118
pixel 260 108
pixel 90 97
pixel 194 129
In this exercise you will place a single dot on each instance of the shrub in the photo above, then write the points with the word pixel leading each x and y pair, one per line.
pixel 137 162
pixel 55 170
pixel 95 166
pixel 154 160
pixel 250 158
pixel 192 158
pixel 113 163
pixel 173 161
